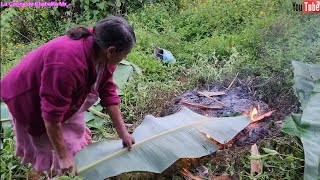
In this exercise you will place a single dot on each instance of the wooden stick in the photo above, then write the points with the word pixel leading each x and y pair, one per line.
pixel 211 98
pixel 199 105
pixel 22 35
pixel 232 82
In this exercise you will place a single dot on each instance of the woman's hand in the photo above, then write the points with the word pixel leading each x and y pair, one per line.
pixel 87 135
pixel 55 134
pixel 66 163
pixel 128 141
pixel 115 114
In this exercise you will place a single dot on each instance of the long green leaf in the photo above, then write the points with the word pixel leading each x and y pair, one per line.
pixel 159 143
pixel 123 74
pixel 305 77
pixel 307 125
pixel 5 120
pixel 4 111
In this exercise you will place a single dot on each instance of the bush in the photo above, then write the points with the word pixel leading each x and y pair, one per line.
pixel 27 24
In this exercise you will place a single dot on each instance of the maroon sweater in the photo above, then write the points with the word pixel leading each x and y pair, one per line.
pixel 52 82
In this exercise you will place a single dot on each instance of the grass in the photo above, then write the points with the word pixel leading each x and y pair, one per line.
pixel 211 42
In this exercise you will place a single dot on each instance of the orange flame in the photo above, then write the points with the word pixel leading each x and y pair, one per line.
pixel 253 114
pixel 207 135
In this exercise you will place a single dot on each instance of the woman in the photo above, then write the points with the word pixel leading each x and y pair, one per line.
pixel 49 90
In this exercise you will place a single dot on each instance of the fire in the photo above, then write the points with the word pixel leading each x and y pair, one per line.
pixel 253 114
pixel 207 135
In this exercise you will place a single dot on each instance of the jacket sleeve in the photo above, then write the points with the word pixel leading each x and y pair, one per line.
pixel 107 90
pixel 58 82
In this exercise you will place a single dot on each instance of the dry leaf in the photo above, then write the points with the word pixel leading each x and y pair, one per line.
pixel 188 175
pixel 199 105
pixel 202 170
pixel 219 93
pixel 255 164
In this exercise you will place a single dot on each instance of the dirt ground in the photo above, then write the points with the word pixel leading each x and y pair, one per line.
pixel 237 99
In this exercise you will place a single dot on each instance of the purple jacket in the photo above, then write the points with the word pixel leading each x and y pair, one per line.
pixel 52 82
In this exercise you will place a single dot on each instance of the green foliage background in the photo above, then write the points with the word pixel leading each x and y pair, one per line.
pixel 211 40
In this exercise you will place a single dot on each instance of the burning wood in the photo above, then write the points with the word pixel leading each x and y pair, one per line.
pixel 254 111
pixel 258 118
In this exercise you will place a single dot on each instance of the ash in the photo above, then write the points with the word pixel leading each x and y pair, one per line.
pixel 236 100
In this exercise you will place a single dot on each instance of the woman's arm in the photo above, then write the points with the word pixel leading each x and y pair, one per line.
pixel 55 134
pixel 110 100
pixel 115 115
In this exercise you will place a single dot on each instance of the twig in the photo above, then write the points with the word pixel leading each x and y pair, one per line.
pixel 232 82
pixel 211 98
pixel 100 114
pixel 22 35
pixel 5 120
pixel 199 105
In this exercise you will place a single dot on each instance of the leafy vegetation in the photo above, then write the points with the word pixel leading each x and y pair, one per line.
pixel 306 125
pixel 211 40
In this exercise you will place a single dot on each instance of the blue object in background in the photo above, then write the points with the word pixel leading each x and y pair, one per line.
pixel 165 55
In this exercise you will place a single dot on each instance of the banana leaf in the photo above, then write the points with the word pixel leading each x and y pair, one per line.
pixel 4 111
pixel 305 77
pixel 123 74
pixel 307 125
pixel 6 128
pixel 159 143
pixel 93 121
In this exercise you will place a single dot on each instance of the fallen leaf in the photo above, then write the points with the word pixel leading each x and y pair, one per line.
pixel 188 175
pixel 255 164
pixel 199 105
pixel 202 170
pixel 219 93
pixel 258 118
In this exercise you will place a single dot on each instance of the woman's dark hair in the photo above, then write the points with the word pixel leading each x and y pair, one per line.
pixel 111 31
